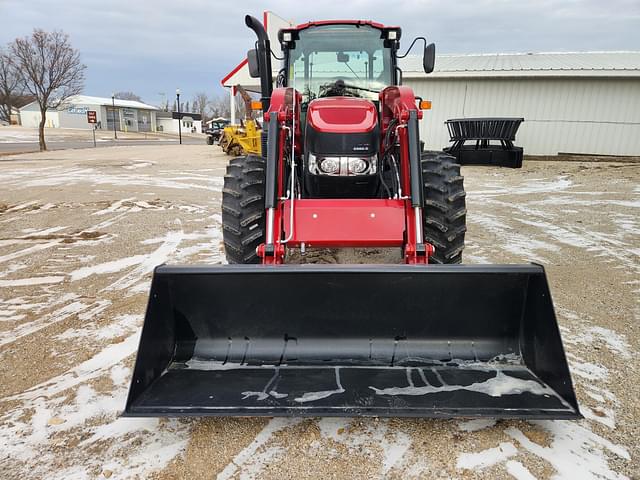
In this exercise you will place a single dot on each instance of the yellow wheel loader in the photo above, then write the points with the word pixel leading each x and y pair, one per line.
pixel 243 139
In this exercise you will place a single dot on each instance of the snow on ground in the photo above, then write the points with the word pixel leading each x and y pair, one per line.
pixel 74 274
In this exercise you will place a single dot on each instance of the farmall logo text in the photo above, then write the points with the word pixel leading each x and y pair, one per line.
pixel 363 147
pixel 75 110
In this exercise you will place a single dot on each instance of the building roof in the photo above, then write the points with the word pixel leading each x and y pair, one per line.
pixel 88 100
pixel 553 64
pixel 107 101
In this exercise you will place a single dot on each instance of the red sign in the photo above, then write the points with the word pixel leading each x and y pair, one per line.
pixel 92 116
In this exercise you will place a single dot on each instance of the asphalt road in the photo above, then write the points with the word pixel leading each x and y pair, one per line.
pixel 27 147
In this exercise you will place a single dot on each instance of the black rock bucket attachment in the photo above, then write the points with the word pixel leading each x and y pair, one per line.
pixel 392 340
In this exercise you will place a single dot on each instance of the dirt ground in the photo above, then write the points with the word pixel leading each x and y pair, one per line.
pixel 80 232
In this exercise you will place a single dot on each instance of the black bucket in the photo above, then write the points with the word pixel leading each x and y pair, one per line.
pixel 377 340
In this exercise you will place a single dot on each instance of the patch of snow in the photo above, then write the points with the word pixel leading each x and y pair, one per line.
pixel 21 206
pixel 150 261
pixel 587 370
pixel 477 424
pixel 33 232
pixel 112 266
pixel 394 451
pixel 518 470
pixel 537 185
pixel 248 453
pixel 575 451
pixel 377 436
pixel 137 165
pixel 74 175
pixel 125 325
pixel 25 282
pixel 28 251
pixel 88 370
pixel 603 415
pixel 58 315
pixel 486 458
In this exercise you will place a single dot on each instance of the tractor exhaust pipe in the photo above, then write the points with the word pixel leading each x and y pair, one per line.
pixel 264 59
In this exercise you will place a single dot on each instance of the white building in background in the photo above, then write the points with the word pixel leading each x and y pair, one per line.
pixel 129 115
pixel 170 122
pixel 576 103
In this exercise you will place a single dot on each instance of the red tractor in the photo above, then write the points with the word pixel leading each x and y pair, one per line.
pixel 342 166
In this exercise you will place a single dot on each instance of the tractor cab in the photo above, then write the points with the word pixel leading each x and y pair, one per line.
pixel 339 59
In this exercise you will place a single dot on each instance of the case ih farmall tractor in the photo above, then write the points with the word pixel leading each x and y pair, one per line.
pixel 342 166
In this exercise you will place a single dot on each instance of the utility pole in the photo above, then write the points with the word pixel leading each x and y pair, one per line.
pixel 113 115
pixel 179 116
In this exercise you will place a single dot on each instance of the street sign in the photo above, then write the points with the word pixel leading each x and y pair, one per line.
pixel 92 116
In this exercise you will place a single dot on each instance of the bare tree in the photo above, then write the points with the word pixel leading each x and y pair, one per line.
pixel 128 96
pixel 219 106
pixel 11 87
pixel 50 70
pixel 201 104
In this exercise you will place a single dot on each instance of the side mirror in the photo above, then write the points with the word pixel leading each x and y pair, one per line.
pixel 343 57
pixel 429 58
pixel 254 65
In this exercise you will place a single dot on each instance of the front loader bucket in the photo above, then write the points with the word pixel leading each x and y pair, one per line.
pixel 392 340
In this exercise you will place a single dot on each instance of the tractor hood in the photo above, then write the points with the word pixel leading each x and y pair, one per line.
pixel 342 115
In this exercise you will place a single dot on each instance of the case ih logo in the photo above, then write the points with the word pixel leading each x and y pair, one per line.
pixel 77 110
pixel 361 148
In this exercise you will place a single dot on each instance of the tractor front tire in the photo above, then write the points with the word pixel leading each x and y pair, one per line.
pixel 243 209
pixel 444 209
pixel 209 140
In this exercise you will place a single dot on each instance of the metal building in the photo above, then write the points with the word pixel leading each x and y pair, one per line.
pixel 128 115
pixel 576 103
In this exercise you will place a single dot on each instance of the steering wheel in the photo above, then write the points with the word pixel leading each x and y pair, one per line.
pixel 336 88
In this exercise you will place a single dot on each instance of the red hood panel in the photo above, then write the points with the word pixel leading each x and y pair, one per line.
pixel 342 115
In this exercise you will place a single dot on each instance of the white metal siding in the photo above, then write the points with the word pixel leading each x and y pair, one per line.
pixel 562 115
pixel 31 118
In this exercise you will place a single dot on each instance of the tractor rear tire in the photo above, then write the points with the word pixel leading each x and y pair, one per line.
pixel 209 140
pixel 444 207
pixel 243 209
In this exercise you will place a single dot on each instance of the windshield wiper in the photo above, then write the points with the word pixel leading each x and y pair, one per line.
pixel 361 88
pixel 349 67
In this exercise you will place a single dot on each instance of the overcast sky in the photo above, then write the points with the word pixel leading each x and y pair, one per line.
pixel 150 47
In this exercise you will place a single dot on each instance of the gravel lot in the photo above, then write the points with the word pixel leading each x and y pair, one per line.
pixel 80 232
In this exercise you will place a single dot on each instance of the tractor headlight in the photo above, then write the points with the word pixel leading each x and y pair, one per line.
pixel 357 166
pixel 330 165
pixel 342 166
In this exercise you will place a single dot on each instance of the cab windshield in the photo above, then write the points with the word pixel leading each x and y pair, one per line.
pixel 354 54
